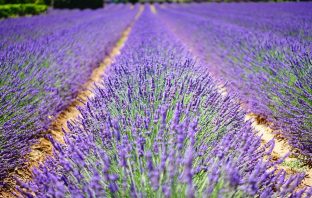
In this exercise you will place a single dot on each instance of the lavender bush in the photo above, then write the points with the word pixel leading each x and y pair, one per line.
pixel 158 127
pixel 44 60
pixel 263 51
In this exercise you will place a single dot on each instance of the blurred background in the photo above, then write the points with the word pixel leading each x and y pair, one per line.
pixel 15 8
pixel 100 3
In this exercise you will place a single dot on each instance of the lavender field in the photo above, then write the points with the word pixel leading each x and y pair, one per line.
pixel 158 100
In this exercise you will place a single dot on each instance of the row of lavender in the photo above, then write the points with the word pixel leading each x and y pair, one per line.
pixel 264 51
pixel 158 127
pixel 44 60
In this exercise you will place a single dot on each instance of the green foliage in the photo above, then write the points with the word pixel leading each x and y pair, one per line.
pixel 40 2
pixel 295 165
pixel 17 1
pixel 11 10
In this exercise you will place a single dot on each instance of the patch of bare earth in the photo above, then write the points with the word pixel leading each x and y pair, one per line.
pixel 44 148
pixel 153 9
pixel 292 163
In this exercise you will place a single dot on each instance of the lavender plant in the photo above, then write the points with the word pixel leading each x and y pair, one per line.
pixel 44 61
pixel 158 127
pixel 264 55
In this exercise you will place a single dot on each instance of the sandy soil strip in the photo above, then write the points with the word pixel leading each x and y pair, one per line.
pixel 43 149
pixel 153 9
pixel 281 148
pixel 291 163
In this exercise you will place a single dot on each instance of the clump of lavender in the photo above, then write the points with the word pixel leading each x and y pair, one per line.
pixel 158 127
pixel 266 58
pixel 294 100
pixel 44 61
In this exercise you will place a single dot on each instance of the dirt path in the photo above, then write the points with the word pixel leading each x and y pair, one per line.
pixel 281 148
pixel 41 150
pixel 153 9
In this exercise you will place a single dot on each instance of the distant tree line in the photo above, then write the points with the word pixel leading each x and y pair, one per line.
pixel 78 3
pixel 22 1
pixel 13 8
